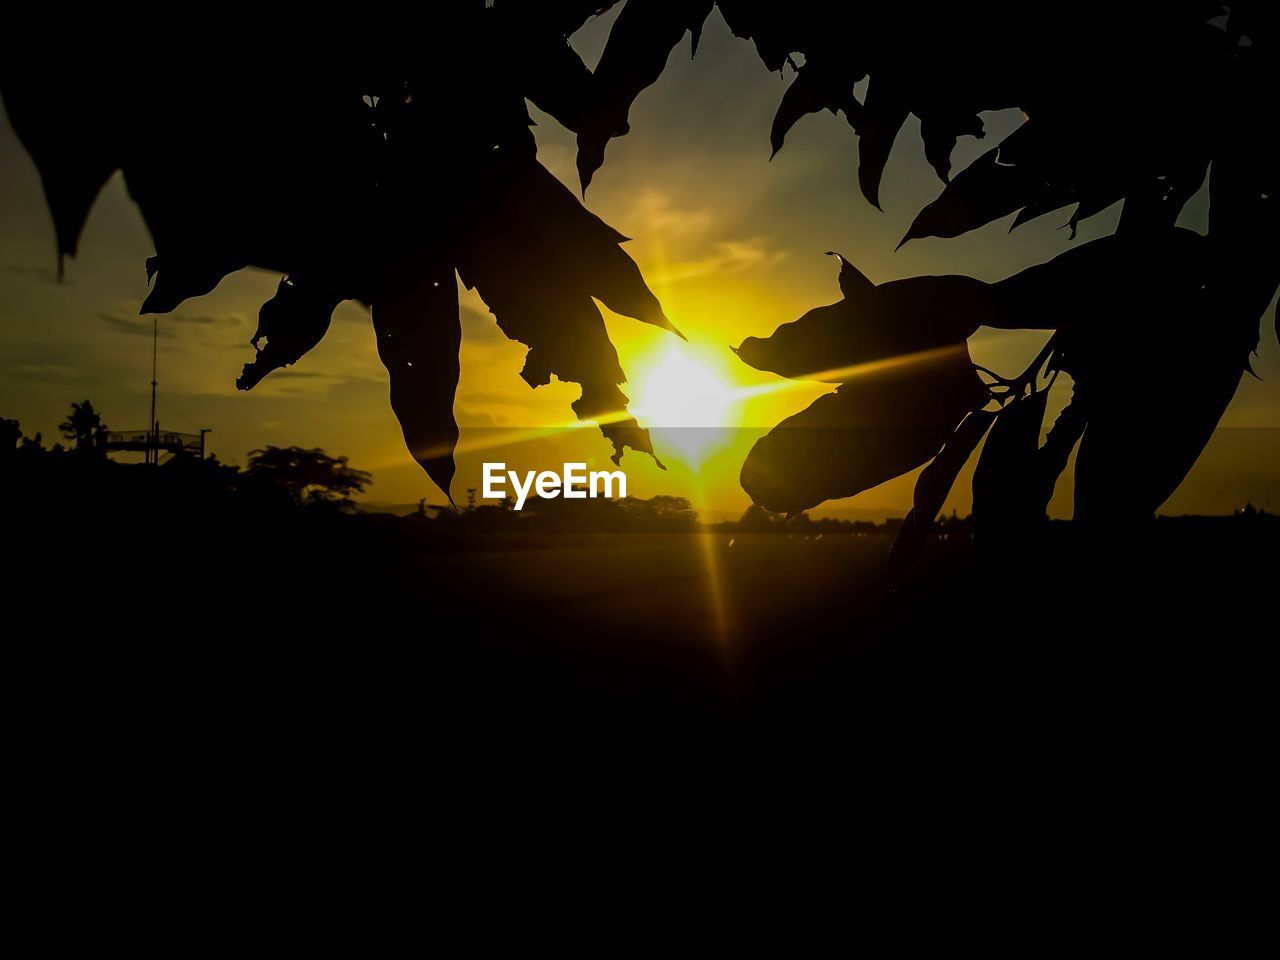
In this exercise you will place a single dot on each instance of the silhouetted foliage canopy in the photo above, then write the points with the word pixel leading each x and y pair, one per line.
pixel 374 161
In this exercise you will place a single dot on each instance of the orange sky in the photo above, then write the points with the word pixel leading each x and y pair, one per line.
pixel 731 243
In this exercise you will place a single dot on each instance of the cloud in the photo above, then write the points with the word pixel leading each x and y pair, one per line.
pixel 490 398
pixel 729 256
pixel 288 373
pixel 678 234
pixel 124 322
pixel 45 274
pixel 477 418
pixel 658 217
pixel 39 372
pixel 203 320
pixel 135 326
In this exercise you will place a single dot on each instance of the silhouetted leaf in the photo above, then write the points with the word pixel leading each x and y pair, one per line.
pixel 1154 205
pixel 67 128
pixel 1006 501
pixel 1244 212
pixel 984 191
pixel 559 83
pixel 178 279
pixel 1052 457
pixel 811 91
pixel 890 322
pixel 937 479
pixel 1159 361
pixel 873 428
pixel 1091 206
pixel 291 322
pixel 418 335
pixel 853 282
pixel 940 130
pixel 935 482
pixel 1105 278
pixel 883 115
pixel 538 257
pixel 639 43
pixel 1046 202
pixel 1141 441
pixel 803 97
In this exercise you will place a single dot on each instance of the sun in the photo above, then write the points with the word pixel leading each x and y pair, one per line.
pixel 679 389
pixel 683 395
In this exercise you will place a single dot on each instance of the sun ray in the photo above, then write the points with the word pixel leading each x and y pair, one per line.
pixel 711 396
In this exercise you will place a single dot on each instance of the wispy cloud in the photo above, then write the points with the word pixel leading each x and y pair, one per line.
pixel 681 245
pixel 124 322
pixel 659 217
pixel 135 326
pixel 42 274
pixel 39 372
pixel 728 256
pixel 203 320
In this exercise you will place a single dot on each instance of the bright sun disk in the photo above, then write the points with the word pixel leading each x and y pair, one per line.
pixel 677 390
pixel 682 397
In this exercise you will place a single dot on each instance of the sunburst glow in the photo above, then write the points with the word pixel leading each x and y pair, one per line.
pixel 684 395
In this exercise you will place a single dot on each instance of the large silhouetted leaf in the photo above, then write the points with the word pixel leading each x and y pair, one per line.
pixel 291 323
pixel 75 154
pixel 1110 277
pixel 1244 204
pixel 883 115
pixel 889 323
pixel 418 333
pixel 535 44
pixel 1159 362
pixel 538 263
pixel 177 279
pixel 1141 439
pixel 872 429
pixel 640 41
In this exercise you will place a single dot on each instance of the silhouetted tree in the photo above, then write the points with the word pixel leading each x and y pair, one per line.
pixel 10 436
pixel 310 477
pixel 84 427
pixel 756 519
pixel 659 512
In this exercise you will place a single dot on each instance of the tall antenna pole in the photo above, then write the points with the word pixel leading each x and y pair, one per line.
pixel 153 453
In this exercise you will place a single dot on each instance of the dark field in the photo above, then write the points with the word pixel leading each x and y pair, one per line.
pixel 271 634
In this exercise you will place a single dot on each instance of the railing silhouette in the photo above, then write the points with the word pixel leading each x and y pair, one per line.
pixel 157 441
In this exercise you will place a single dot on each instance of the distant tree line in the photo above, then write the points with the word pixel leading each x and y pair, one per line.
pixel 282 480
pixel 304 477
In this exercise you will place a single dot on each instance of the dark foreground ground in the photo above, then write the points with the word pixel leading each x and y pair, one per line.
pixel 152 627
